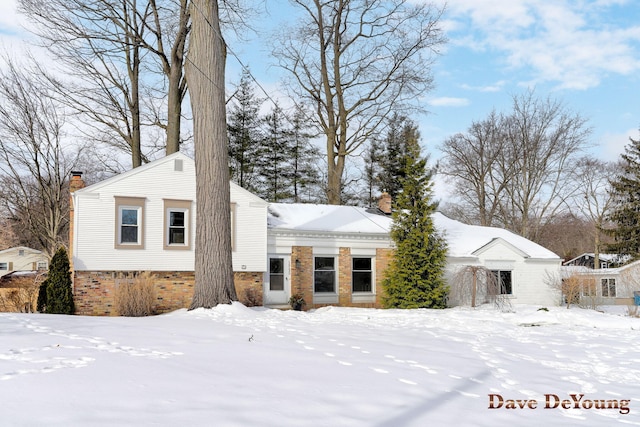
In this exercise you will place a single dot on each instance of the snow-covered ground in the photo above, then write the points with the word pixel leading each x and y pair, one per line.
pixel 236 366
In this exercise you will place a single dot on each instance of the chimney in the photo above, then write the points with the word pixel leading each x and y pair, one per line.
pixel 76 181
pixel 384 203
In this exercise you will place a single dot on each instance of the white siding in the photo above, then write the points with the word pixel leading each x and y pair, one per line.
pixel 26 262
pixel 95 221
pixel 530 277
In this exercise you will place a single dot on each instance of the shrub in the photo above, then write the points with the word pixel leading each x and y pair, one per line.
pixel 55 295
pixel 136 296
pixel 251 297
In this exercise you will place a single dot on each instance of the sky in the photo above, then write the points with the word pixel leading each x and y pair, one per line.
pixel 585 54
pixel 233 366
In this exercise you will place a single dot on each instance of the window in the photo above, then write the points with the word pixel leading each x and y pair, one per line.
pixel 21 252
pixel 324 275
pixel 361 275
pixel 4 266
pixel 41 265
pixel 276 274
pixel 177 224
pixel 129 223
pixel 608 287
pixel 503 280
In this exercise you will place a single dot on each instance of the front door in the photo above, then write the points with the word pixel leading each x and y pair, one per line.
pixel 276 285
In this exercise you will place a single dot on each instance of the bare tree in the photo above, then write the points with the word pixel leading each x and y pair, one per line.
pixel 476 285
pixel 594 197
pixel 356 61
pixel 170 27
pixel 516 169
pixel 545 140
pixel 34 164
pixel 103 48
pixel 476 163
pixel 205 73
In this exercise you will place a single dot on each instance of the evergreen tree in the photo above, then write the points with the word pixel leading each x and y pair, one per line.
pixel 626 211
pixel 373 170
pixel 304 159
pixel 400 134
pixel 55 295
pixel 415 277
pixel 245 135
pixel 274 169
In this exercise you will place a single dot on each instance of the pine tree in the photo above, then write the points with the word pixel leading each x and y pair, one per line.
pixel 415 277
pixel 400 134
pixel 245 134
pixel 626 211
pixel 304 161
pixel 274 168
pixel 373 170
pixel 55 295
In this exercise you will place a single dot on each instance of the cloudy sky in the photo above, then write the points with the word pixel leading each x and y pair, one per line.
pixel 583 53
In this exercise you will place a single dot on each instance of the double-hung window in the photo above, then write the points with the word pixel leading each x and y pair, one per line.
pixel 324 275
pixel 129 223
pixel 4 266
pixel 608 288
pixel 503 281
pixel 177 224
pixel 361 275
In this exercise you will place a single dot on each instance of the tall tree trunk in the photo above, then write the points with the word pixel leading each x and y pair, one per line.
pixel 205 74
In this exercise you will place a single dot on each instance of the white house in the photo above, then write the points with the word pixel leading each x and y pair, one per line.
pixel 143 220
pixel 22 258
pixel 606 286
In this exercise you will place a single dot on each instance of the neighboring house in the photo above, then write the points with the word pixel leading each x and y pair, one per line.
pixel 607 286
pixel 144 220
pixel 22 258
pixel 588 260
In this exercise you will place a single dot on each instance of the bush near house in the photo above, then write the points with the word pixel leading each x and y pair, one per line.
pixel 136 296
pixel 55 295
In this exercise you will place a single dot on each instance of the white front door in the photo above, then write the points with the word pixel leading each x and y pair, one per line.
pixel 277 287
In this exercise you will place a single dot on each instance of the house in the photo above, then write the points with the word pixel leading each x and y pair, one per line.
pixel 588 260
pixel 144 220
pixel 22 258
pixel 606 286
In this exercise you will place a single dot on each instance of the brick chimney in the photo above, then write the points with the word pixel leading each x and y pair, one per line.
pixel 384 203
pixel 75 183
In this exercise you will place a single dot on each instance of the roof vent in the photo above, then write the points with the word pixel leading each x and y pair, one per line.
pixel 177 165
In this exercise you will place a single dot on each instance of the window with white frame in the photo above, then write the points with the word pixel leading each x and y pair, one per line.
pixel 4 266
pixel 361 274
pixel 503 281
pixel 129 223
pixel 608 287
pixel 41 265
pixel 177 224
pixel 324 275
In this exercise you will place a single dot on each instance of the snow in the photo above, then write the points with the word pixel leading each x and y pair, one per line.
pixel 463 239
pixel 238 366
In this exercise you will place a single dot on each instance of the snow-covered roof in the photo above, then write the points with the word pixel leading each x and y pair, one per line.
pixel 464 240
pixel 326 218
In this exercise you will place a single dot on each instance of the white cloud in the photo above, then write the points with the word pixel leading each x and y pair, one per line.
pixel 570 43
pixel 612 145
pixel 446 101
pixel 496 87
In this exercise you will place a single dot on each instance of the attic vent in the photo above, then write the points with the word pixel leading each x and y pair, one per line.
pixel 177 165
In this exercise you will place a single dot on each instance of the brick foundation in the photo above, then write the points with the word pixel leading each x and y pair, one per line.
pixel 94 291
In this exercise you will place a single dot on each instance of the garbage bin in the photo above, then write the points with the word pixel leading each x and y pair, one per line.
pixel 636 297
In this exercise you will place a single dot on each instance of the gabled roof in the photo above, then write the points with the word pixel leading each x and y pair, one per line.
pixel 18 248
pixel 463 240
pixel 134 171
pixel 603 257
pixel 151 165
